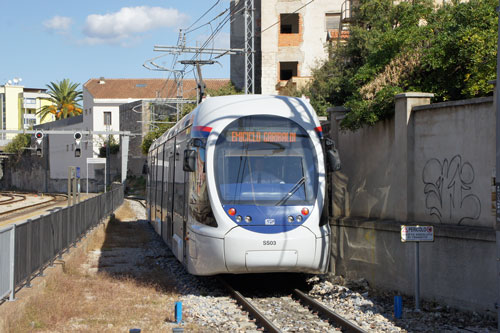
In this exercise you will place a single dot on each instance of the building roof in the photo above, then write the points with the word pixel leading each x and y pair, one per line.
pixel 145 88
pixel 60 123
pixel 333 34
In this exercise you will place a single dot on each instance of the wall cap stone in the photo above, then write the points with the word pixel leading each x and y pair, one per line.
pixel 463 102
pixel 440 230
pixel 336 109
pixel 414 95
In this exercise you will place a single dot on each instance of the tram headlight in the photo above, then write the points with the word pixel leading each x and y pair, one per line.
pixel 248 219
pixel 299 218
pixel 238 218
pixel 290 218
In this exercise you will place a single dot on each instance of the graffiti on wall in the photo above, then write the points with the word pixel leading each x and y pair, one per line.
pixel 448 190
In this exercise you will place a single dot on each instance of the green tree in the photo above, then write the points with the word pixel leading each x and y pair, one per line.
pixel 65 98
pixel 114 146
pixel 18 144
pixel 449 51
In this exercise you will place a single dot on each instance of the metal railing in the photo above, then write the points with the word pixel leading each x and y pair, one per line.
pixel 27 248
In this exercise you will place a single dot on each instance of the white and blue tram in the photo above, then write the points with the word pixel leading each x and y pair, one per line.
pixel 238 186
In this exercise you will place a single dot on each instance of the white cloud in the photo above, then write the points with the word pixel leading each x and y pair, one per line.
pixel 129 23
pixel 60 24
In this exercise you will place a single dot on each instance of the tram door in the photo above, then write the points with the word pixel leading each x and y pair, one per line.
pixel 170 173
pixel 180 197
pixel 153 187
pixel 161 176
pixel 148 187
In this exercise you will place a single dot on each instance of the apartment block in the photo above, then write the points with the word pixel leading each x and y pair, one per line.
pixel 18 107
pixel 291 38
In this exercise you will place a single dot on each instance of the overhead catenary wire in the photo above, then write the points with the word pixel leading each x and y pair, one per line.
pixel 223 16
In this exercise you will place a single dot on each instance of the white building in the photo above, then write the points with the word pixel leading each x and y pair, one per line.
pixel 102 99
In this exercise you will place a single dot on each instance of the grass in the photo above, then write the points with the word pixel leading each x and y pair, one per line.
pixel 73 297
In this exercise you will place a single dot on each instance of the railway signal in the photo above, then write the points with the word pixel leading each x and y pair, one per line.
pixel 78 138
pixel 39 137
pixel 39 147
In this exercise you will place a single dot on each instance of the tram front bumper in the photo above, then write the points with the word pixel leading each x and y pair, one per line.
pixel 298 250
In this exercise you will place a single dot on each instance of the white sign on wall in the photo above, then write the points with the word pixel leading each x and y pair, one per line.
pixel 417 233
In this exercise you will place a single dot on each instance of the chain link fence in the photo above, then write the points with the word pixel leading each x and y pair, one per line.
pixel 27 248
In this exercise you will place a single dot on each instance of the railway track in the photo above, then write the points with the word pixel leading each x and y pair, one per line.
pixel 297 312
pixel 12 198
pixel 55 199
pixel 140 200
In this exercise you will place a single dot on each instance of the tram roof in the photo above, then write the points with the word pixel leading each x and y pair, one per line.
pixel 235 106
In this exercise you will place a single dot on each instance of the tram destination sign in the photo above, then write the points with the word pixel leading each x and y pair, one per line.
pixel 417 233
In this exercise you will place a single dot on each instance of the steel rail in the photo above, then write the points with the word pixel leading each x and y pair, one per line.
pixel 329 313
pixel 12 200
pixel 266 323
pixel 30 206
pixel 7 201
pixel 138 199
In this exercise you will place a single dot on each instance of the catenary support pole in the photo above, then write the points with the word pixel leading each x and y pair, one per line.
pixel 497 173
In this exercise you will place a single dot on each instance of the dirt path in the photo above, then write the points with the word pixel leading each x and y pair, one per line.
pixel 110 283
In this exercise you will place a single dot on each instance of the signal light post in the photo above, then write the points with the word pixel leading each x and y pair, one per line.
pixel 78 138
pixel 39 146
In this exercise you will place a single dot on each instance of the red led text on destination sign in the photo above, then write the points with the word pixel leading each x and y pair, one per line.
pixel 256 136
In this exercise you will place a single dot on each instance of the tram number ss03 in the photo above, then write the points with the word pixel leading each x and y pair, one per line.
pixel 269 242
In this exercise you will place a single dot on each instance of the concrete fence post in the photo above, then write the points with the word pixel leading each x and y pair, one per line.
pixel 404 150
pixel 12 263
pixel 28 253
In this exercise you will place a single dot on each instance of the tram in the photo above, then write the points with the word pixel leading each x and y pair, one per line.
pixel 239 186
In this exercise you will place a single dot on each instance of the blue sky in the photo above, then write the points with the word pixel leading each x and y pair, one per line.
pixel 44 41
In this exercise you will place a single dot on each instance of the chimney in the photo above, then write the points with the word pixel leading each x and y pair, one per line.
pixel 101 80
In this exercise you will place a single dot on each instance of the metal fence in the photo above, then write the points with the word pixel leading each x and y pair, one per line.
pixel 27 248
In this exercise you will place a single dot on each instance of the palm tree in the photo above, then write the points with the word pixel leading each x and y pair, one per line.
pixel 64 96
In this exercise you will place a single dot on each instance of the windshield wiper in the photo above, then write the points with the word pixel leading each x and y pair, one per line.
pixel 292 191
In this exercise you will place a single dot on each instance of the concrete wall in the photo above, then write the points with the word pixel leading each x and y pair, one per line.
pixel 454 162
pixel 431 164
pixel 32 174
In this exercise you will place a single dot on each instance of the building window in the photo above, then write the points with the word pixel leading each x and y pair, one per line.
pixel 107 118
pixel 289 23
pixel 332 21
pixel 31 101
pixel 288 70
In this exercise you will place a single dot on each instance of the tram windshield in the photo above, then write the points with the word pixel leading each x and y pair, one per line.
pixel 265 160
